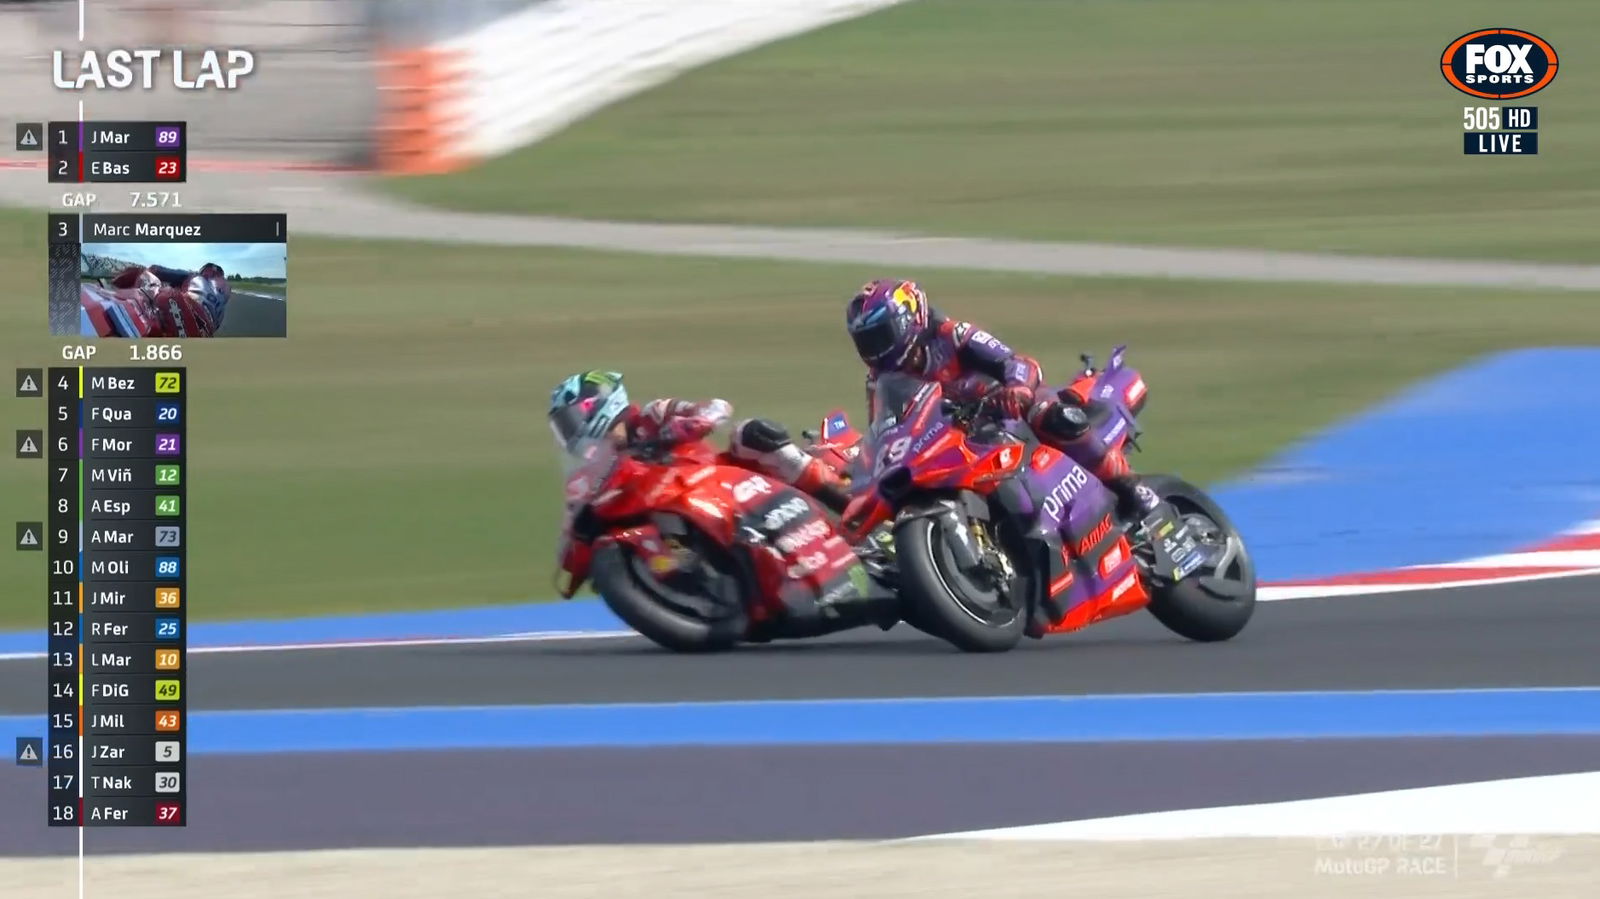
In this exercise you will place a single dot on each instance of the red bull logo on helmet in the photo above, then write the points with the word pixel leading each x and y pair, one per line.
pixel 906 294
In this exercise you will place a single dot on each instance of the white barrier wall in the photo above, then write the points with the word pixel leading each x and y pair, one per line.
pixel 532 73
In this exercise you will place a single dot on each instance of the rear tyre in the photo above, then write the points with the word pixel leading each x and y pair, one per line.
pixel 1186 608
pixel 701 624
pixel 946 603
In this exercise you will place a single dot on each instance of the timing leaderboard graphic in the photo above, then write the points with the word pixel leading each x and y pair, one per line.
pixel 125 152
pixel 116 533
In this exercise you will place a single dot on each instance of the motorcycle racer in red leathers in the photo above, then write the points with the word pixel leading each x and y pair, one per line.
pixel 595 404
pixel 896 330
pixel 181 303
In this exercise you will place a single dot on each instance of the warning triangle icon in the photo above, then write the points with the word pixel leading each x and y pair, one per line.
pixel 28 447
pixel 27 385
pixel 28 753
pixel 28 538
pixel 29 139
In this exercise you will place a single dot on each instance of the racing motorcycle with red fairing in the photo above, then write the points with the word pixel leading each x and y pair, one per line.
pixel 996 535
pixel 699 554
pixel 154 301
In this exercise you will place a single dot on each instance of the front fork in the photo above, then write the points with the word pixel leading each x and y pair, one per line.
pixel 971 544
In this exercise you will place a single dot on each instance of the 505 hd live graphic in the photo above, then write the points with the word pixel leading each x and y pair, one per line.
pixel 1499 64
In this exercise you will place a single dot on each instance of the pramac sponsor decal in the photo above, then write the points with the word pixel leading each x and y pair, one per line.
pixel 1499 63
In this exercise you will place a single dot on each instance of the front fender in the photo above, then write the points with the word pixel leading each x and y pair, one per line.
pixel 953 511
pixel 573 561
pixel 965 502
pixel 642 539
pixel 577 556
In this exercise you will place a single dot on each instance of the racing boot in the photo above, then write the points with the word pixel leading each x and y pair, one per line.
pixel 765 444
pixel 1066 425
pixel 1135 500
pixel 821 482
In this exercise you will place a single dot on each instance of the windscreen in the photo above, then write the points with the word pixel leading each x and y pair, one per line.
pixel 586 466
pixel 892 397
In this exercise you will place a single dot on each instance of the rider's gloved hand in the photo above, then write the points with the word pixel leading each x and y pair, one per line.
pixel 1014 401
pixel 683 430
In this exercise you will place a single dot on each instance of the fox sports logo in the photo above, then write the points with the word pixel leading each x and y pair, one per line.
pixel 1499 63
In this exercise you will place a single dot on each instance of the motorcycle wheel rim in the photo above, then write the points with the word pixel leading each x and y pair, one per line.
pixel 987 614
pixel 1216 536
pixel 697 606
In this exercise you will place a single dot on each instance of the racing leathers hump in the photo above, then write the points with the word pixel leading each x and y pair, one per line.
pixel 958 351
pixel 674 421
pixel 758 444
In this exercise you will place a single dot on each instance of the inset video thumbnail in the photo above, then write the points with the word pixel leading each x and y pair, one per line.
pixel 183 290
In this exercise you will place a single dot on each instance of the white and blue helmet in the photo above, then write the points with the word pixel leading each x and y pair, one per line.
pixel 586 406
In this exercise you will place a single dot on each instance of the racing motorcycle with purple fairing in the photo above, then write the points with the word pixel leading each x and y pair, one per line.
pixel 997 535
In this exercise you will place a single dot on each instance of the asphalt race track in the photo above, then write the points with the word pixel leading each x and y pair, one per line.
pixel 1534 634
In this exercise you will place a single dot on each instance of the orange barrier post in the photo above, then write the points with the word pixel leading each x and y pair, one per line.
pixel 419 117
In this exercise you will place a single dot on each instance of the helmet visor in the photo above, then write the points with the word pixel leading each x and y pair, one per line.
pixel 875 340
pixel 568 424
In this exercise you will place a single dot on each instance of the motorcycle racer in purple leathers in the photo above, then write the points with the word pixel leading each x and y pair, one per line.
pixel 895 329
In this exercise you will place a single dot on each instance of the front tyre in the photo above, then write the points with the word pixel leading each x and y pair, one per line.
pixel 677 621
pixel 972 615
pixel 1188 608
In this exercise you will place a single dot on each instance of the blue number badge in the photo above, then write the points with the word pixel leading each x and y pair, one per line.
pixel 166 566
pixel 167 413
pixel 168 629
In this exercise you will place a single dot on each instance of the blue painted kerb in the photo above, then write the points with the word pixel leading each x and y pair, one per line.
pixel 1247 716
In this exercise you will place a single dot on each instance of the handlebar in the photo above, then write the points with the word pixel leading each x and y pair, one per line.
pixel 965 413
pixel 652 451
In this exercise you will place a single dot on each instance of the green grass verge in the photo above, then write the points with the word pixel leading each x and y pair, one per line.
pixel 1320 125
pixel 277 288
pixel 392 454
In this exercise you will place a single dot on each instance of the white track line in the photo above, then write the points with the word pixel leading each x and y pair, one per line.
pixel 1553 558
pixel 526 637
pixel 1322 591
pixel 1548 804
